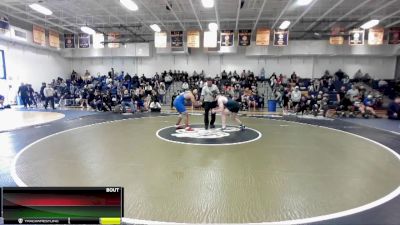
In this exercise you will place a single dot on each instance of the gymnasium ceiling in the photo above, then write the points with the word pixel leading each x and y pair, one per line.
pixel 308 22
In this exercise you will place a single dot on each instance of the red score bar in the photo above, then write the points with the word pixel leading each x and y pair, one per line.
pixel 60 200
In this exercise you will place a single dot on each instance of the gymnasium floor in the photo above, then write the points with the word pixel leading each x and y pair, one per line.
pixel 281 169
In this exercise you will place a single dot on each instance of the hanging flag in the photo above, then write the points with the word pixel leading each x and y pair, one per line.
pixel 69 40
pixel 193 39
pixel 394 36
pixel 4 24
pixel 227 38
pixel 210 39
pixel 336 40
pixel 375 36
pixel 39 35
pixel 54 39
pixel 356 37
pixel 98 40
pixel 113 37
pixel 160 39
pixel 176 39
pixel 244 37
pixel 84 40
pixel 263 36
pixel 281 38
pixel 337 36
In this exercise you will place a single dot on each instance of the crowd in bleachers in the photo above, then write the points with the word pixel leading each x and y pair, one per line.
pixel 122 92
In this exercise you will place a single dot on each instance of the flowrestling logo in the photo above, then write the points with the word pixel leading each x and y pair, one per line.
pixel 205 134
pixel 232 135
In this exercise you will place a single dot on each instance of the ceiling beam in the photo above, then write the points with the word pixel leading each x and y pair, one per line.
pixel 389 16
pixel 20 18
pixel 311 26
pixel 371 13
pixel 37 17
pixel 259 15
pixel 173 13
pixel 152 13
pixel 303 14
pixel 347 14
pixel 217 14
pixel 282 13
pixel 195 14
pixel 392 24
pixel 237 14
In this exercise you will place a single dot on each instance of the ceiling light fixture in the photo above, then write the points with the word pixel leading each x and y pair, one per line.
pixel 88 30
pixel 303 2
pixel 155 28
pixel 129 4
pixel 41 9
pixel 370 24
pixel 213 26
pixel 208 3
pixel 284 25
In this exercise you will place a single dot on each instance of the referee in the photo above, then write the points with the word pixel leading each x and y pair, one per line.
pixel 208 94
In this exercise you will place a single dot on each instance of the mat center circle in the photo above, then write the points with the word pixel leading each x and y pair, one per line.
pixel 201 136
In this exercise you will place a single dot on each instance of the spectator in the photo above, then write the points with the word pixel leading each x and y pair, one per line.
pixel 185 86
pixel 368 106
pixel 49 95
pixel 162 92
pixel 353 92
pixel 24 94
pixel 340 95
pixel 345 105
pixel 358 75
pixel 31 93
pixel 339 74
pixel 2 106
pixel 394 109
pixel 126 100
pixel 295 96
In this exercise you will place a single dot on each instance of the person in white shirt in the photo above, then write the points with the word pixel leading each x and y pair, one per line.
pixel 49 95
pixel 295 96
pixel 208 94
pixel 185 86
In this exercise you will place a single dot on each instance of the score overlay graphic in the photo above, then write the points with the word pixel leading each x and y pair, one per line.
pixel 72 205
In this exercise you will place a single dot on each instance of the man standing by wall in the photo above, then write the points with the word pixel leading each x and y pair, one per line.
pixel 208 94
pixel 24 93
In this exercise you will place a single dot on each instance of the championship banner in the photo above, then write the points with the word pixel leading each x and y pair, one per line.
pixel 84 40
pixel 113 37
pixel 210 39
pixel 244 37
pixel 394 36
pixel 54 39
pixel 4 24
pixel 39 35
pixel 375 36
pixel 336 36
pixel 176 39
pixel 69 40
pixel 98 40
pixel 193 39
pixel 263 36
pixel 160 39
pixel 227 38
pixel 281 38
pixel 356 37
pixel 336 40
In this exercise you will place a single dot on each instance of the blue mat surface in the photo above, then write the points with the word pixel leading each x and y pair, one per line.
pixel 383 124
